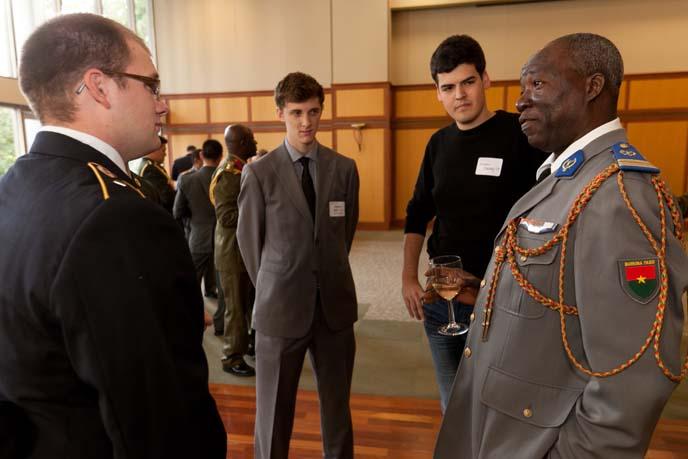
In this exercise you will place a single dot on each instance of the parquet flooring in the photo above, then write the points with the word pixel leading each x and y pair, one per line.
pixel 384 427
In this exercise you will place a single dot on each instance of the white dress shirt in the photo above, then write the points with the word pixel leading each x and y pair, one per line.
pixel 91 141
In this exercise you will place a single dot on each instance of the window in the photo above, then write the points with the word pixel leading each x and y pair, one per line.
pixel 8 138
pixel 6 56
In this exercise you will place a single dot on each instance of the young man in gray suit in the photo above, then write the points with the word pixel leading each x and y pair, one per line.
pixel 587 272
pixel 298 210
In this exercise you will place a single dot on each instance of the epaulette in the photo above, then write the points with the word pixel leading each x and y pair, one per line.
pixel 629 159
pixel 234 166
pixel 99 171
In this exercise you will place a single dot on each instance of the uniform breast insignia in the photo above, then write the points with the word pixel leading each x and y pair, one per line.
pixel 535 226
pixel 629 159
pixel 639 278
pixel 569 168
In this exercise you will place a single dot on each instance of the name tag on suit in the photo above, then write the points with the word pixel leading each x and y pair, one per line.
pixel 489 166
pixel 337 209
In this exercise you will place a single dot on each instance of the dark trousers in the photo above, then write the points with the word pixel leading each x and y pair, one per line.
pixel 205 270
pixel 278 367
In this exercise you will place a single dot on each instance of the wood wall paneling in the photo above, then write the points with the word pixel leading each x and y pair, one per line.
pixel 188 111
pixel 269 140
pixel 417 103
pixel 658 93
pixel 513 92
pixel 177 144
pixel 623 96
pixel 228 109
pixel 263 108
pixel 359 102
pixel 664 144
pixel 494 97
pixel 327 107
pixel 371 170
pixel 409 147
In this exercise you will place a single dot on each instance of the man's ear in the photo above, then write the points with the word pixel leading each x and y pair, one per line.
pixel 96 86
pixel 486 80
pixel 280 113
pixel 594 84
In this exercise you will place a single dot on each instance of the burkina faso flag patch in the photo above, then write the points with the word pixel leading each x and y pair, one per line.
pixel 639 278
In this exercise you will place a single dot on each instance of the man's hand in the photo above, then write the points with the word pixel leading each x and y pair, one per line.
pixel 413 295
pixel 468 285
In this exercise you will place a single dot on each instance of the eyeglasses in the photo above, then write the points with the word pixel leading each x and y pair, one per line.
pixel 153 84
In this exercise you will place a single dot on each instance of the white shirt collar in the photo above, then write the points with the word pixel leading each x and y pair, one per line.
pixel 553 164
pixel 91 141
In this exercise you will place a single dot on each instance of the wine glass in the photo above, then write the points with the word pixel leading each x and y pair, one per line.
pixel 447 283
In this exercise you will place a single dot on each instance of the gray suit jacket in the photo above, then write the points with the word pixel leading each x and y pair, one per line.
pixel 286 254
pixel 193 202
pixel 517 395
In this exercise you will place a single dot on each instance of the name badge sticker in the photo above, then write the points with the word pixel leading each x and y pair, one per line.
pixel 489 166
pixel 337 209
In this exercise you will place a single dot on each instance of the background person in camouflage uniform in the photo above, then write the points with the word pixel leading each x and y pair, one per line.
pixel 237 290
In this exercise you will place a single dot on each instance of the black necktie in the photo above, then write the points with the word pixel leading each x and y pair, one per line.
pixel 546 173
pixel 307 186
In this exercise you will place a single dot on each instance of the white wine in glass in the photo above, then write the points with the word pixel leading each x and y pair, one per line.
pixel 447 283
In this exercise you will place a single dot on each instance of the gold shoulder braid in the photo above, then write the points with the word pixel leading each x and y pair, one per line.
pixel 100 170
pixel 507 251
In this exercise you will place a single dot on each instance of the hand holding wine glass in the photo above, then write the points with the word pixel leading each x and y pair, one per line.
pixel 447 279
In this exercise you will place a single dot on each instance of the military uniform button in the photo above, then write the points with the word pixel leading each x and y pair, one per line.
pixel 472 316
pixel 467 352
pixel 527 413
pixel 523 258
pixel 482 283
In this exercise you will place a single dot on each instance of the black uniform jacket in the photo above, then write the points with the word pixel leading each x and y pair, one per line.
pixel 101 318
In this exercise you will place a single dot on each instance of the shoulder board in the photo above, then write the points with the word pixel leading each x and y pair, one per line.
pixel 629 159
pixel 233 166
pixel 146 162
pixel 102 173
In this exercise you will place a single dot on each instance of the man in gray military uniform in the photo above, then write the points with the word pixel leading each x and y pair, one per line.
pixel 587 272
pixel 235 290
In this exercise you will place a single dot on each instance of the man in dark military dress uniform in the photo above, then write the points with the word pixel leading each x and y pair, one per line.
pixel 574 347
pixel 101 346
pixel 153 171
pixel 235 284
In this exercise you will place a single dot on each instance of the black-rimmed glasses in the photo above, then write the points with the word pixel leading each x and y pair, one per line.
pixel 153 84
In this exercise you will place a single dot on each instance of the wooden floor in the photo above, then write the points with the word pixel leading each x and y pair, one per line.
pixel 384 427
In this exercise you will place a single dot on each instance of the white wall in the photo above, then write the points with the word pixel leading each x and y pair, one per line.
pixel 651 35
pixel 240 45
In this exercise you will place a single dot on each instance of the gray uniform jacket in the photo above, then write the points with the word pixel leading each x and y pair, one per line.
pixel 517 395
pixel 193 201
pixel 289 256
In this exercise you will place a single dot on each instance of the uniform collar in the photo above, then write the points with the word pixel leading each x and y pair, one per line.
pixel 554 163
pixel 93 142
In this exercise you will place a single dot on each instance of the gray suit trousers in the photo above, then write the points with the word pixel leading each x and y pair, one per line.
pixel 279 362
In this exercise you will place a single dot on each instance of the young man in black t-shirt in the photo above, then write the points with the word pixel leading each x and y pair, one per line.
pixel 473 171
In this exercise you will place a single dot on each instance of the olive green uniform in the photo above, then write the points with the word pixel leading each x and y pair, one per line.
pixel 234 281
pixel 157 176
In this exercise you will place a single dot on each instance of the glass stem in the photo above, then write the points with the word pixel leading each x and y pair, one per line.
pixel 452 320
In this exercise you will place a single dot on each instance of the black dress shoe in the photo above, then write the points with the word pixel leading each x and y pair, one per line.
pixel 237 367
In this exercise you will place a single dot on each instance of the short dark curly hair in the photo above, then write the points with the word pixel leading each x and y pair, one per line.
pixel 454 51
pixel 298 87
